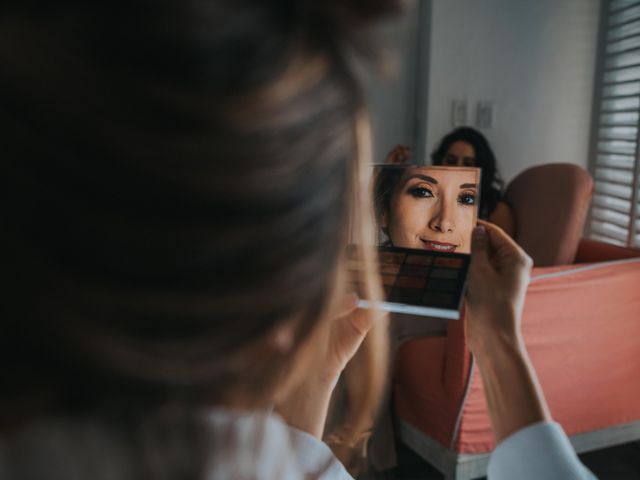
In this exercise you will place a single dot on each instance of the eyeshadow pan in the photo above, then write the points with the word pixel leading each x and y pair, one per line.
pixel 411 282
pixel 389 279
pixel 414 270
pixel 392 257
pixel 424 260
pixel 449 262
pixel 445 273
pixel 390 269
pixel 442 285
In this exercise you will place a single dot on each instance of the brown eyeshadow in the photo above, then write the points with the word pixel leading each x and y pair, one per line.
pixel 389 269
pixel 388 279
pixel 423 260
pixel 411 282
pixel 392 258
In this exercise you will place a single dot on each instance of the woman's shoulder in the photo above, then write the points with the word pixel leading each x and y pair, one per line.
pixel 503 217
pixel 219 443
pixel 273 447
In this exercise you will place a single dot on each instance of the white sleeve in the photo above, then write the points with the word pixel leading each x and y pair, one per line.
pixel 315 457
pixel 541 450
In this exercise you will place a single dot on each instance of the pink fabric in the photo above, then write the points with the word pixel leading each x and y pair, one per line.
pixel 549 204
pixel 582 333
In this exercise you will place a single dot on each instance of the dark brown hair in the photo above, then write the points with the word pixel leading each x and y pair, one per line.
pixel 178 179
pixel 492 187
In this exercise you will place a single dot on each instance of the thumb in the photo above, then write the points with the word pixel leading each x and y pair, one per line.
pixel 480 246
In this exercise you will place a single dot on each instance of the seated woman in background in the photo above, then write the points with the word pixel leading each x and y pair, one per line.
pixel 467 147
pixel 178 199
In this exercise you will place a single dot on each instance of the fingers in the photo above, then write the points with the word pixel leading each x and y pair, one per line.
pixel 479 248
pixel 503 246
pixel 399 155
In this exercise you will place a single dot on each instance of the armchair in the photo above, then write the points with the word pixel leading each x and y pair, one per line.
pixel 581 328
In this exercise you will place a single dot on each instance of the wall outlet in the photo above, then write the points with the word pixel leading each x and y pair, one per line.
pixel 485 115
pixel 459 112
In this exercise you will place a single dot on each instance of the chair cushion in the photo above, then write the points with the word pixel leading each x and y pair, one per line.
pixel 550 204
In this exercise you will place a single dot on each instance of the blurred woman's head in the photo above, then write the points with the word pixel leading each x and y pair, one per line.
pixel 466 146
pixel 431 208
pixel 179 177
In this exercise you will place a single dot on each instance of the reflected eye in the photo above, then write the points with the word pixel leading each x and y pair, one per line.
pixel 467 199
pixel 421 192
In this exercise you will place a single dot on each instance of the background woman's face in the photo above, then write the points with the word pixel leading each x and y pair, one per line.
pixel 434 209
pixel 461 154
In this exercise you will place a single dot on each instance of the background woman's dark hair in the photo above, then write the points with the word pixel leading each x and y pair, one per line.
pixel 492 184
pixel 385 180
pixel 177 181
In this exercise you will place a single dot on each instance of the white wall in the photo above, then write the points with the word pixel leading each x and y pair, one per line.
pixel 390 87
pixel 534 59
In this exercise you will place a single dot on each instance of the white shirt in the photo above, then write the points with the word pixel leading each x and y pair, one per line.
pixel 239 446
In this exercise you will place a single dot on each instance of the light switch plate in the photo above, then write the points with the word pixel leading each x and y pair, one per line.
pixel 459 112
pixel 485 115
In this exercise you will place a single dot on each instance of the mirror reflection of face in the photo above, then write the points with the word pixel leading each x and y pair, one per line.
pixel 433 209
pixel 460 154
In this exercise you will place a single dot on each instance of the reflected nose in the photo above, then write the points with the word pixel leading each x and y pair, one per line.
pixel 442 221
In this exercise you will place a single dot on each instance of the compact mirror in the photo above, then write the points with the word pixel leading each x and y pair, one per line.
pixel 425 217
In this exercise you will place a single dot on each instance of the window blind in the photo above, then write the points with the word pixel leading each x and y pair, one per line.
pixel 615 166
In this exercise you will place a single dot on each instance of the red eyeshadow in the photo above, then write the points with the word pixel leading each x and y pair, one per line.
pixel 449 262
pixel 392 257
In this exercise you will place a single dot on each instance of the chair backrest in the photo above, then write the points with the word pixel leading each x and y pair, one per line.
pixel 550 204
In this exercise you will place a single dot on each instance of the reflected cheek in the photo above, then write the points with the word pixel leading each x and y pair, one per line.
pixel 466 221
pixel 408 219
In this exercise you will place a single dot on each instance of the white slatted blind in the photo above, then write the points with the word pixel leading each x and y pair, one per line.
pixel 615 166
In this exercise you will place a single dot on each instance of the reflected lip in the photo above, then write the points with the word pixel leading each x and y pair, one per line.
pixel 438 246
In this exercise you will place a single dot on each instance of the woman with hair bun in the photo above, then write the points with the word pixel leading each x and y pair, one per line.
pixel 181 180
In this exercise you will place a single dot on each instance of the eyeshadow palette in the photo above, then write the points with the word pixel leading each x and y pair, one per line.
pixel 419 282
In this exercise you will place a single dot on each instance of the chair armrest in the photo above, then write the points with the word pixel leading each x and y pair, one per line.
pixel 591 251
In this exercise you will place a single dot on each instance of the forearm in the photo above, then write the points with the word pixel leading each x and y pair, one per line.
pixel 307 406
pixel 514 396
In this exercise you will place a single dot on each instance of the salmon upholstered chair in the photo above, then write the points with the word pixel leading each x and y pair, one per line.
pixel 581 328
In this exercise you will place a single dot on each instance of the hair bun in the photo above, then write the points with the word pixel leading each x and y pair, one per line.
pixel 342 20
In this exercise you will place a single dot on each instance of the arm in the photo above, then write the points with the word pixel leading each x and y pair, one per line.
pixel 529 444
pixel 306 407
pixel 514 397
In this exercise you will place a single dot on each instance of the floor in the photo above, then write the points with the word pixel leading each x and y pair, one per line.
pixel 615 463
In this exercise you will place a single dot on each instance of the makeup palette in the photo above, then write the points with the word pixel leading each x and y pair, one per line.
pixel 417 282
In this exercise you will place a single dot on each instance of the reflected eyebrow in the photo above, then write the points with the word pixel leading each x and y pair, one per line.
pixel 426 178
pixel 469 185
